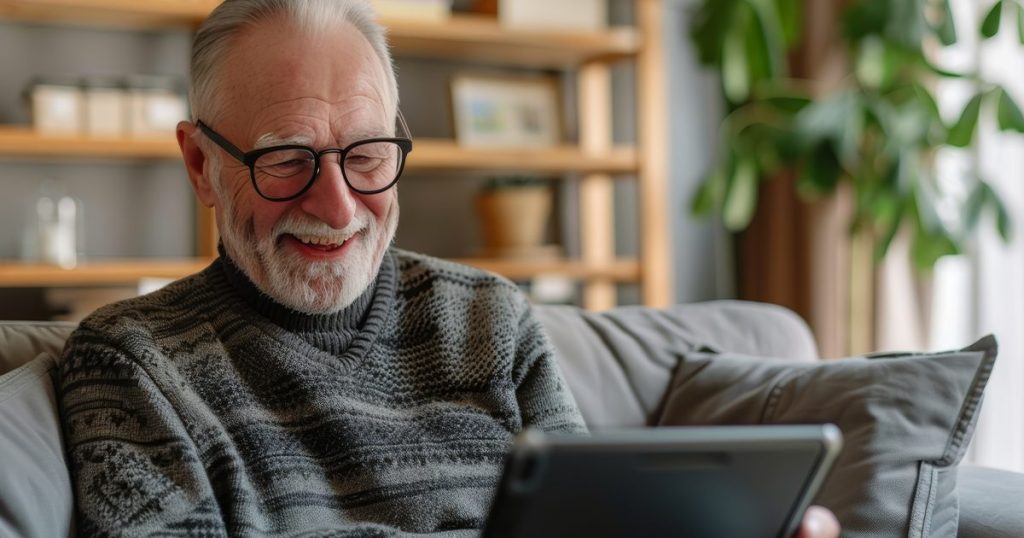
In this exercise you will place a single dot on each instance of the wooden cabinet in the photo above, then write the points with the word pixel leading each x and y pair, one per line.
pixel 594 159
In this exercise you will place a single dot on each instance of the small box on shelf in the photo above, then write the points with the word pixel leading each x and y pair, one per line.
pixel 139 106
pixel 55 104
pixel 584 15
pixel 420 10
pixel 156 104
pixel 106 107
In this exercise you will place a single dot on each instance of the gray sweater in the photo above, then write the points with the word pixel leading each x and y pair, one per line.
pixel 206 409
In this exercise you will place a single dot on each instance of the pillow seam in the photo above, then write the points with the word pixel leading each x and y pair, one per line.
pixel 921 514
pixel 968 410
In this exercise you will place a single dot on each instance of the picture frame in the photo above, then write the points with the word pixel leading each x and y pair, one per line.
pixel 493 111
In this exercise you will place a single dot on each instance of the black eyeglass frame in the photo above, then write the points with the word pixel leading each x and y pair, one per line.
pixel 249 158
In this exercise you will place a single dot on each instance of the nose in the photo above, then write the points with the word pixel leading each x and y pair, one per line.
pixel 330 199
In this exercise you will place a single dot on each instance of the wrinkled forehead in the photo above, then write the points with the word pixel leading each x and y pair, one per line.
pixel 273 61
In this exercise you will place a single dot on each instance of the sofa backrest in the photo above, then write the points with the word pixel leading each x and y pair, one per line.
pixel 618 363
pixel 22 341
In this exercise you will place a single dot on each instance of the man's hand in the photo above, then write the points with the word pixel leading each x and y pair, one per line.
pixel 818 523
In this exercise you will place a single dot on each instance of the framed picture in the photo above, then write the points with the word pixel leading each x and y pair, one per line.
pixel 506 112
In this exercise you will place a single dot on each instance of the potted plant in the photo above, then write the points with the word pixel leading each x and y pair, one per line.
pixel 514 214
pixel 877 131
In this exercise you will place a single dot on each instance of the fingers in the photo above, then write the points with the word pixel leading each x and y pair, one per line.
pixel 819 523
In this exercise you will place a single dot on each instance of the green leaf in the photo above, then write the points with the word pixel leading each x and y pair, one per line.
pixel 865 18
pixel 791 104
pixel 850 138
pixel 735 67
pixel 974 205
pixel 982 197
pixel 906 24
pixel 936 129
pixel 945 73
pixel 821 173
pixel 946 30
pixel 931 240
pixel 709 194
pixel 927 247
pixel 1020 24
pixel 711 21
pixel 888 235
pixel 826 118
pixel 762 60
pixel 791 19
pixel 888 210
pixel 1003 222
pixel 990 26
pixel 769 37
pixel 962 133
pixel 1008 113
pixel 741 197
pixel 872 67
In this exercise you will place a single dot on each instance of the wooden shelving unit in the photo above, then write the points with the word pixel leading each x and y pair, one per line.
pixel 462 38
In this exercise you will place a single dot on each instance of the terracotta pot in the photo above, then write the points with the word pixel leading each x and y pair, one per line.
pixel 514 219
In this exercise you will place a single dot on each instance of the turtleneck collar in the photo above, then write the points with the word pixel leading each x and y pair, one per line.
pixel 332 333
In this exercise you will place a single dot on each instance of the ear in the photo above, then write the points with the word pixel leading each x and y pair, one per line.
pixel 195 160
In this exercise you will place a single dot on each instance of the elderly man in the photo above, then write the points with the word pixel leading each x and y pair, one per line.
pixel 313 380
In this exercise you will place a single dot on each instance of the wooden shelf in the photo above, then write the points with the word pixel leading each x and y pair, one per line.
pixel 484 40
pixel 462 37
pixel 23 142
pixel 428 154
pixel 128 13
pixel 127 272
pixel 433 154
pixel 106 273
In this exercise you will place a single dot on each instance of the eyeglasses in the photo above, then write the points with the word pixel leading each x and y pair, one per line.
pixel 282 173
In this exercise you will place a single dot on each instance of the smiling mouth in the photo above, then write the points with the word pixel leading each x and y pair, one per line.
pixel 325 244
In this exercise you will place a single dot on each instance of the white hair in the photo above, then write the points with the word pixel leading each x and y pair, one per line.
pixel 213 39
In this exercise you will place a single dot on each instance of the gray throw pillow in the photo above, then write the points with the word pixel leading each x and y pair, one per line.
pixel 906 421
pixel 35 488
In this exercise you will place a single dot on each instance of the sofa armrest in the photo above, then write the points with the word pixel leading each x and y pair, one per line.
pixel 991 503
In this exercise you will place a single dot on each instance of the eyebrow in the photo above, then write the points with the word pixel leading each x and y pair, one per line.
pixel 363 135
pixel 271 139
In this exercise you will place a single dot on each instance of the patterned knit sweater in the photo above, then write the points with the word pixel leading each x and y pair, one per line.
pixel 206 409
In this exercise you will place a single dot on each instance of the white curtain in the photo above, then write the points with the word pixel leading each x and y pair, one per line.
pixel 983 291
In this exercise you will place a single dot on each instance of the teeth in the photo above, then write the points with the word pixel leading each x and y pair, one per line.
pixel 320 241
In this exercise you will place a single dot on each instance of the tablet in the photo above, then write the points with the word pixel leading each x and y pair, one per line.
pixel 728 482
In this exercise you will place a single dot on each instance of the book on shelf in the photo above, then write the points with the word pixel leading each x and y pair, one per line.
pixel 420 10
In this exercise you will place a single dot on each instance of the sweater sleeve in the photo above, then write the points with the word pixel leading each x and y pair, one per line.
pixel 134 467
pixel 545 400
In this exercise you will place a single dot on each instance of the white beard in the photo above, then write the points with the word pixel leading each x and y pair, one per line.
pixel 322 287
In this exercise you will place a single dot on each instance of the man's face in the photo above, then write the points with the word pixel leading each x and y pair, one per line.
pixel 319 252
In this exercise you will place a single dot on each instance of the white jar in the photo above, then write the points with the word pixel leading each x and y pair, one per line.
pixel 156 105
pixel 106 107
pixel 56 105
pixel 57 219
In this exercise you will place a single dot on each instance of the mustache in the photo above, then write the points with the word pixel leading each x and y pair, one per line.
pixel 300 225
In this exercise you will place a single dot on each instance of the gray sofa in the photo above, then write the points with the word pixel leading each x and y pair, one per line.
pixel 621 365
